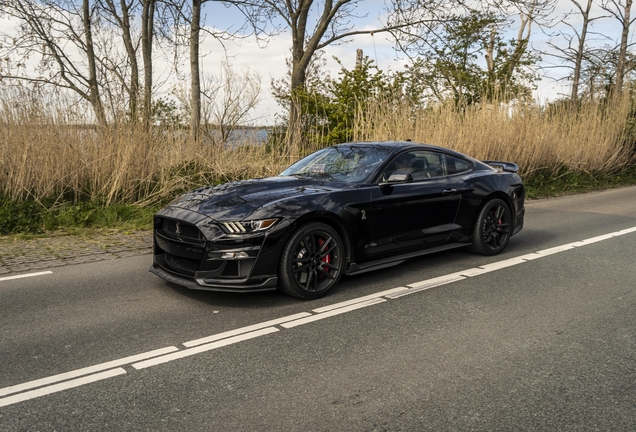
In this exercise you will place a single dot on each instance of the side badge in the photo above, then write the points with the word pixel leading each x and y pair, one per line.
pixel 364 215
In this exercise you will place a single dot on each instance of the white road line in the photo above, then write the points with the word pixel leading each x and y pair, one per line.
pixel 208 343
pixel 597 239
pixel 61 386
pixel 427 284
pixel 437 281
pixel 556 249
pixel 626 231
pixel 85 371
pixel 332 313
pixel 26 275
pixel 505 263
pixel 358 300
pixel 473 272
pixel 203 348
pixel 244 329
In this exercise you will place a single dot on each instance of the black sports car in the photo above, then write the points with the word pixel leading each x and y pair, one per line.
pixel 345 209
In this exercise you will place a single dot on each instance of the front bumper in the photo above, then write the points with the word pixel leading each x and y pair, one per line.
pixel 199 283
pixel 198 255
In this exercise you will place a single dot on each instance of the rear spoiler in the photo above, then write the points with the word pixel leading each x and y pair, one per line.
pixel 503 166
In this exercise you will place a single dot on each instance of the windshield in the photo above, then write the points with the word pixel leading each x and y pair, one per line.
pixel 351 164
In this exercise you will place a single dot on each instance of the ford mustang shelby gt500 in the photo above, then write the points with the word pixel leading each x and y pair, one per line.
pixel 345 209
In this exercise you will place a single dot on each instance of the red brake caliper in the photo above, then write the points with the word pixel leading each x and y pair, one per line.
pixel 326 258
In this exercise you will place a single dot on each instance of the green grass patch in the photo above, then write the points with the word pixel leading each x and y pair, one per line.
pixel 565 182
pixel 40 217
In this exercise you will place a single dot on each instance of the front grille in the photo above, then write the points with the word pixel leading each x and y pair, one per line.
pixel 179 230
pixel 179 246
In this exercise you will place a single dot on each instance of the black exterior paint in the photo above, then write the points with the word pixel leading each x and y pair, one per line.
pixel 380 224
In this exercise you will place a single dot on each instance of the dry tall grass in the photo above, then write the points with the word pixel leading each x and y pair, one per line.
pixel 44 154
pixel 590 140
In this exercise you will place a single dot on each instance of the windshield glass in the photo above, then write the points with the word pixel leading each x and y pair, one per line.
pixel 351 164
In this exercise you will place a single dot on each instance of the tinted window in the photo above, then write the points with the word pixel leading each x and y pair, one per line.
pixel 456 165
pixel 422 164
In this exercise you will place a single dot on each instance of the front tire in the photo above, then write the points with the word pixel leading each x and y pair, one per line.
pixel 311 262
pixel 493 228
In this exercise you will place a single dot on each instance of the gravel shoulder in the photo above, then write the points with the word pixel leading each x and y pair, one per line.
pixel 18 255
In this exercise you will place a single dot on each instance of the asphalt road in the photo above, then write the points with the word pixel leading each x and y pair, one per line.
pixel 546 342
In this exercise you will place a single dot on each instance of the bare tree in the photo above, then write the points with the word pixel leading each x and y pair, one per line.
pixel 46 29
pixel 195 78
pixel 228 100
pixel 576 51
pixel 147 35
pixel 578 55
pixel 315 25
pixel 240 93
pixel 621 10
pixel 121 15
pixel 190 13
pixel 529 12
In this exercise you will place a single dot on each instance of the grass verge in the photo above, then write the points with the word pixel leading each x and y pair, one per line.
pixel 566 182
pixel 29 218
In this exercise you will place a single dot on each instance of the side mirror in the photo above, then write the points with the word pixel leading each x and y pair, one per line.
pixel 397 177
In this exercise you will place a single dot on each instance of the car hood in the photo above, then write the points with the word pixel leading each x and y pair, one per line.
pixel 237 200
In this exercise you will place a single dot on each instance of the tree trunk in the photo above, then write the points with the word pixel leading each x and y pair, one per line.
pixel 195 89
pixel 294 127
pixel 622 54
pixel 93 85
pixel 147 27
pixel 579 54
pixel 132 58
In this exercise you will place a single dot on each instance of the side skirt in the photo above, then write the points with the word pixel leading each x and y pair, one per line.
pixel 398 259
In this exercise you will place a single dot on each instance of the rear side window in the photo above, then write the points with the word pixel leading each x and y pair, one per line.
pixel 455 165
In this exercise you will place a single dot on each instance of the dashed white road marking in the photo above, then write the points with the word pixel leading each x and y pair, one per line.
pixel 332 312
pixel 85 371
pixel 26 275
pixel 61 386
pixel 357 300
pixel 110 369
pixel 203 348
pixel 244 329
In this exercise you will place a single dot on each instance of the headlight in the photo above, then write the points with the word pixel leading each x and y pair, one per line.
pixel 248 227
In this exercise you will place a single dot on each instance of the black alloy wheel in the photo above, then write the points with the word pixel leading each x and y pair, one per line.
pixel 493 228
pixel 311 262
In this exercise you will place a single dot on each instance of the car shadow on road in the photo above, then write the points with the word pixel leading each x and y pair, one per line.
pixel 258 300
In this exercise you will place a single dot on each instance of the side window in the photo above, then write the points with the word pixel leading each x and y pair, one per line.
pixel 427 164
pixel 434 166
pixel 420 163
pixel 455 165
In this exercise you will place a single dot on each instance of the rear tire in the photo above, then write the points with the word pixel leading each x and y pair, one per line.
pixel 312 261
pixel 493 228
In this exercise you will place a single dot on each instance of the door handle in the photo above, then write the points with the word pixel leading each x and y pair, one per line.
pixel 449 191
